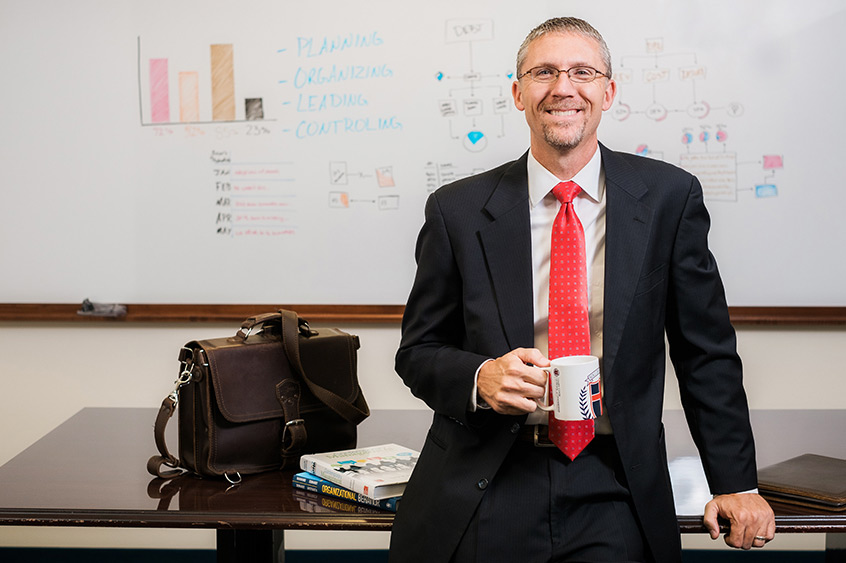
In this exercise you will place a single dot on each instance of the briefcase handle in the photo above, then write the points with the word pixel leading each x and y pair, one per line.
pixel 251 323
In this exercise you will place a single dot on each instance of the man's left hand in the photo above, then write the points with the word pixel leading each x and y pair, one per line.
pixel 751 518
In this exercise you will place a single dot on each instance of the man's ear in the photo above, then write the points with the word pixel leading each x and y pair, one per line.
pixel 610 93
pixel 518 95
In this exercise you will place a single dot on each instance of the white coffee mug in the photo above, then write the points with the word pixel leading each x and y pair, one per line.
pixel 576 390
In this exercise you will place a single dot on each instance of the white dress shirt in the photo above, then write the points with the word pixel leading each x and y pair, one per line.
pixel 589 205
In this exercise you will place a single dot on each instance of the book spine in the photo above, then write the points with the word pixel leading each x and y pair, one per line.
pixel 306 483
pixel 332 490
pixel 306 487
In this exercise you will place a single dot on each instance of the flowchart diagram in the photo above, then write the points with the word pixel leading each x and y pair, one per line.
pixel 665 89
pixel 476 102
pixel 342 177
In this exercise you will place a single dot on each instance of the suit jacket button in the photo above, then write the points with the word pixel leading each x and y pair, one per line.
pixel 482 484
pixel 515 428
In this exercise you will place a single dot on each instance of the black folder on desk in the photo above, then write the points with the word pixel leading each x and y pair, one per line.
pixel 807 480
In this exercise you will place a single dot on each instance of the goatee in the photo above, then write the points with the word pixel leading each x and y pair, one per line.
pixel 566 139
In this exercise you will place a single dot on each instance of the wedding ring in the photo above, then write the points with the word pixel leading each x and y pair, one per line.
pixel 762 538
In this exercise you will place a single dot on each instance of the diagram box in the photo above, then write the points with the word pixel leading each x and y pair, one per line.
pixel 653 75
pixel 766 190
pixel 459 30
pixel 385 177
pixel 692 72
pixel 502 105
pixel 338 173
pixel 473 106
pixel 388 202
pixel 339 200
pixel 448 108
pixel 716 171
pixel 773 161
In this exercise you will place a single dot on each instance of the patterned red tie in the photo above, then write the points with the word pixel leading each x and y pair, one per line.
pixel 569 329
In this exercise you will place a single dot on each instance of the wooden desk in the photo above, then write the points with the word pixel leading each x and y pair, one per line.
pixel 90 471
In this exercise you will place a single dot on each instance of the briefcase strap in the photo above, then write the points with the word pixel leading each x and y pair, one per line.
pixel 294 434
pixel 292 326
pixel 157 463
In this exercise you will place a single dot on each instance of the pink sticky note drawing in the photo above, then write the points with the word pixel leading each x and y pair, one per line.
pixel 773 161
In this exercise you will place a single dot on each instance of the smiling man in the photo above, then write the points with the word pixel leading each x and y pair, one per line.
pixel 572 249
pixel 563 115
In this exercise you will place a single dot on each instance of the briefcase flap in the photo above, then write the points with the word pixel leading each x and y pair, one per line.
pixel 245 373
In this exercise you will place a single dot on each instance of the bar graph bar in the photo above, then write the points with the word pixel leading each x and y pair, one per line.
pixel 159 91
pixel 201 86
pixel 254 109
pixel 189 96
pixel 223 82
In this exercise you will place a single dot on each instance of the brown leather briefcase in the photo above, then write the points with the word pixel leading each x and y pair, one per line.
pixel 258 400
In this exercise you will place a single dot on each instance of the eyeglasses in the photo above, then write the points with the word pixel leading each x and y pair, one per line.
pixel 547 75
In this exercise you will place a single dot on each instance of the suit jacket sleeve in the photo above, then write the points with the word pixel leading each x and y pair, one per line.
pixel 433 359
pixel 703 351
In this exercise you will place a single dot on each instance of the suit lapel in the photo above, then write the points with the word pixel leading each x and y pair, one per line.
pixel 628 224
pixel 507 247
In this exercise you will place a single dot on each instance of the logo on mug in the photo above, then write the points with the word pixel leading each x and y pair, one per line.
pixel 590 397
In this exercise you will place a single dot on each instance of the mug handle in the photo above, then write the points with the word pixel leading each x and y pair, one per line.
pixel 542 402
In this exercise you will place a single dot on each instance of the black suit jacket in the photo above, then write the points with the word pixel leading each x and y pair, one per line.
pixel 472 300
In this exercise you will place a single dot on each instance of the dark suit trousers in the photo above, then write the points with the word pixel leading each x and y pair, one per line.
pixel 540 506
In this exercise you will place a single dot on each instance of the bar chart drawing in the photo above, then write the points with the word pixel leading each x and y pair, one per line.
pixel 162 105
pixel 159 91
pixel 223 83
pixel 189 96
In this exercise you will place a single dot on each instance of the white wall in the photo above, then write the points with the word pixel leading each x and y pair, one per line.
pixel 49 371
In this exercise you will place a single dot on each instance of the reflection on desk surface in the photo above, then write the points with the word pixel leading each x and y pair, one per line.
pixel 690 488
pixel 93 468
pixel 264 493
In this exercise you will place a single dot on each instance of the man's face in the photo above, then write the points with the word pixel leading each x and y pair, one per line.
pixel 563 115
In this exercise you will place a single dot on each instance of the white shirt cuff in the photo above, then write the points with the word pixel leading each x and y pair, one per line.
pixel 477 402
pixel 750 491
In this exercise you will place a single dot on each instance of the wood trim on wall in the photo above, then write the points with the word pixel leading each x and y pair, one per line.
pixel 200 313
pixel 788 315
pixel 66 312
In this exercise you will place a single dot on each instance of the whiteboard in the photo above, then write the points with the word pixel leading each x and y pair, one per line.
pixel 261 152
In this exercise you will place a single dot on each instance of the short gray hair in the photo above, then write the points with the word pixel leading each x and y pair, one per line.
pixel 566 25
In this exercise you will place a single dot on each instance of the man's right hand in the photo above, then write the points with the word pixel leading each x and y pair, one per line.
pixel 509 385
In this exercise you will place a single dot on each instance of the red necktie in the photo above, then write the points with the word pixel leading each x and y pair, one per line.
pixel 569 329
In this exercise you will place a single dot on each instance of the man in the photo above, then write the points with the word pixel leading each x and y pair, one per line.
pixel 477 327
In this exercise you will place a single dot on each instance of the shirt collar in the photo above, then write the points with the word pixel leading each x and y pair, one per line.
pixel 541 180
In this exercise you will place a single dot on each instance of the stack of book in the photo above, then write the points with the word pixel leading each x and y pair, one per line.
pixel 374 476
